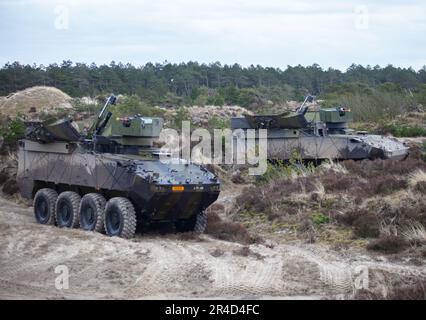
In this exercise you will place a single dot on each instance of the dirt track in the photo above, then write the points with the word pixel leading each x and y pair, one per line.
pixel 158 266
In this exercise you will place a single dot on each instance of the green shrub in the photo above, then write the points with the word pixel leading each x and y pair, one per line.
pixel 319 218
pixel 199 96
pixel 370 104
pixel 133 105
pixel 83 107
pixel 278 169
pixel 420 94
pixel 404 131
pixel 216 100
pixel 12 131
pixel 273 172
pixel 182 114
pixel 201 101
pixel 171 99
pixel 216 122
pixel 231 94
pixel 250 97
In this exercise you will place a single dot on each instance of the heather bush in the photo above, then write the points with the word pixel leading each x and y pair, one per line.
pixel 413 291
pixel 227 230
pixel 369 169
pixel 388 244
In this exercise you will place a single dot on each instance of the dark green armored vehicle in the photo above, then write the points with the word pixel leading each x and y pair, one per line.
pixel 318 135
pixel 111 179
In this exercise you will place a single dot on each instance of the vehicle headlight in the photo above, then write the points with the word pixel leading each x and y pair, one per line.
pixel 215 187
pixel 159 188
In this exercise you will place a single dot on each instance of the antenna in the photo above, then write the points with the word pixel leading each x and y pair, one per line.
pixel 303 108
pixel 99 123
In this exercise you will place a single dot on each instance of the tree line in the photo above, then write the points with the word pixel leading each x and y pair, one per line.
pixel 195 83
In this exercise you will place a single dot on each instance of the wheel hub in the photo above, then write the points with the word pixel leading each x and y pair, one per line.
pixel 42 210
pixel 114 222
pixel 65 213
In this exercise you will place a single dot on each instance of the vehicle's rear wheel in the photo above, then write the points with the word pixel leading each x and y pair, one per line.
pixel 45 206
pixel 196 224
pixel 92 207
pixel 67 207
pixel 120 218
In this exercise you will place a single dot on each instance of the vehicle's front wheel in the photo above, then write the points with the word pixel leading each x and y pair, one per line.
pixel 197 223
pixel 92 207
pixel 120 218
pixel 44 206
pixel 67 207
pixel 201 222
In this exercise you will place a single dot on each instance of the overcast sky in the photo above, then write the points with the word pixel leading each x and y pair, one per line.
pixel 273 33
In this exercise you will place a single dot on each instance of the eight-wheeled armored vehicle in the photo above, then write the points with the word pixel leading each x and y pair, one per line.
pixel 318 135
pixel 110 179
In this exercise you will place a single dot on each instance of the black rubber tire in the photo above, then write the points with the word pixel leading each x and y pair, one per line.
pixel 91 211
pixel 45 206
pixel 201 222
pixel 197 223
pixel 67 210
pixel 120 218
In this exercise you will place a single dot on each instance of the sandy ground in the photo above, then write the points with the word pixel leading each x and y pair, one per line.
pixel 156 266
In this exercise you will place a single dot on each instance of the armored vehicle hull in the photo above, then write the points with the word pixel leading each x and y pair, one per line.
pixel 323 134
pixel 338 147
pixel 162 192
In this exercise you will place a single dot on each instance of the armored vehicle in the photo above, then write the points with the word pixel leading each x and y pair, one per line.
pixel 318 135
pixel 112 178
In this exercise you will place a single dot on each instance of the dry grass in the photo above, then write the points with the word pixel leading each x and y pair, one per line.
pixel 333 166
pixel 403 209
pixel 319 193
pixel 417 181
pixel 421 187
pixel 375 200
pixel 414 233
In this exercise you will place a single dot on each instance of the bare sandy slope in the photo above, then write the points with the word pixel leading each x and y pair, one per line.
pixel 43 99
pixel 158 266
